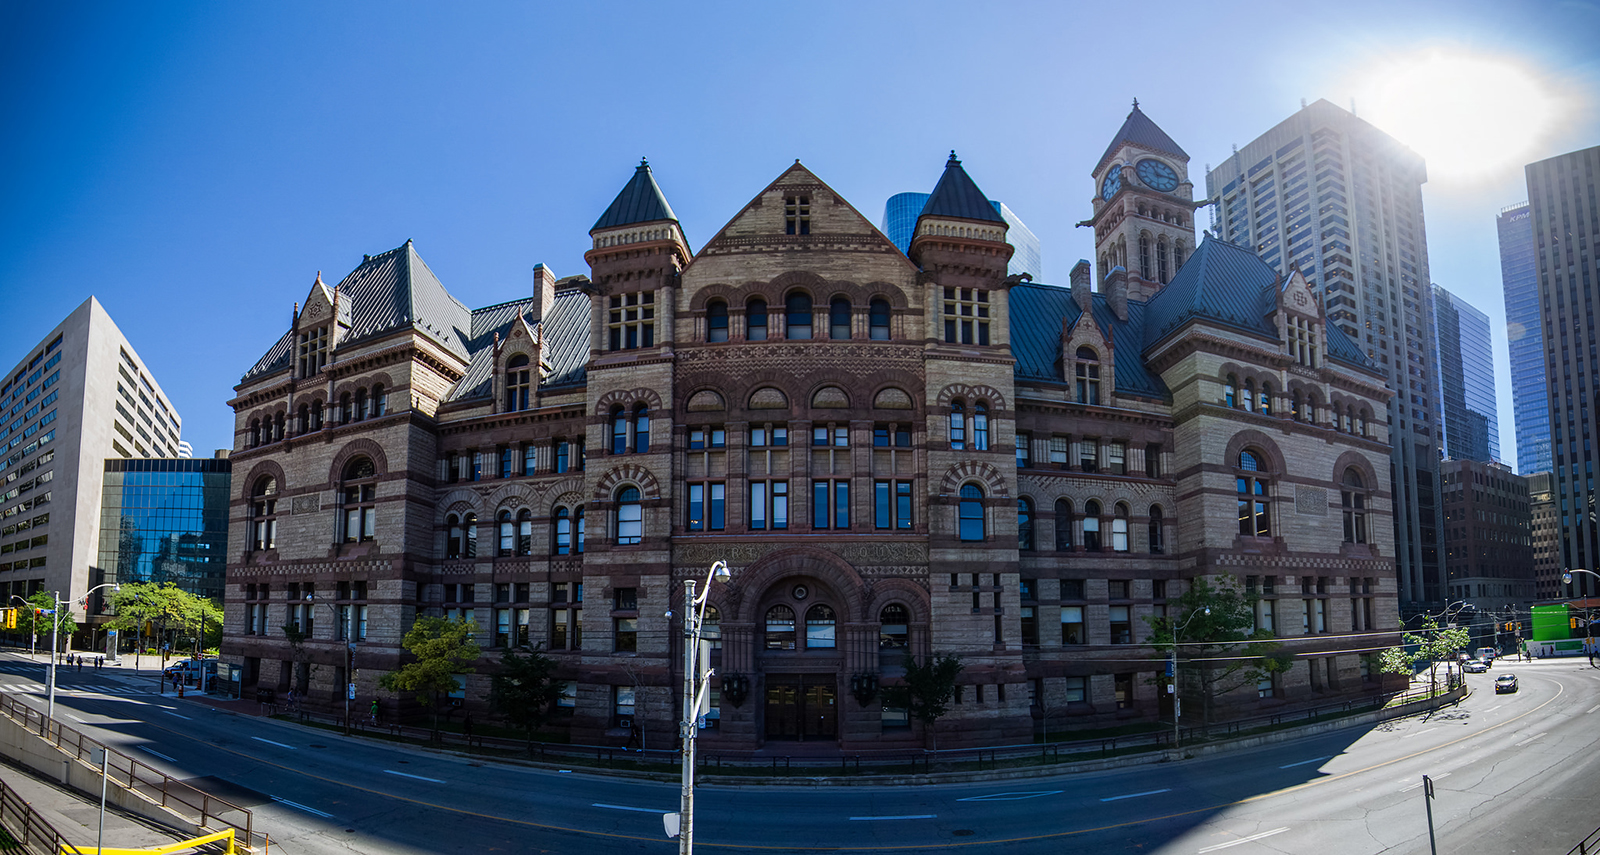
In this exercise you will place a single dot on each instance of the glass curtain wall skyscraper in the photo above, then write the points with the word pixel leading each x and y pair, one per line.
pixel 1566 227
pixel 165 521
pixel 1330 194
pixel 1465 386
pixel 1530 405
pixel 900 223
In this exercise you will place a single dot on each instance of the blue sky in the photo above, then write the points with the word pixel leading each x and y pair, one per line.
pixel 194 165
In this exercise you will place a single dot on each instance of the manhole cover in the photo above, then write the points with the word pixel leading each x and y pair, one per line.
pixel 963 832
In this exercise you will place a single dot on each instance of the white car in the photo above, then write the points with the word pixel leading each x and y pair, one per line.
pixel 1474 666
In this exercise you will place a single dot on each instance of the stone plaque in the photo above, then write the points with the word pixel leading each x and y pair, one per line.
pixel 307 504
pixel 1310 501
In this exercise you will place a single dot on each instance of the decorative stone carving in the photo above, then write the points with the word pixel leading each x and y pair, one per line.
pixel 860 554
pixel 1310 501
pixel 306 504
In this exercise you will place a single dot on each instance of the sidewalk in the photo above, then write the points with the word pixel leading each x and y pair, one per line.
pixel 77 817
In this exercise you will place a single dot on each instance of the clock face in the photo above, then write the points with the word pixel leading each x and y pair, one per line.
pixel 1157 175
pixel 1112 184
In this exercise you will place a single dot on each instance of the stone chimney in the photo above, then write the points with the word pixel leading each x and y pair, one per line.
pixel 544 293
pixel 1116 291
pixel 1080 276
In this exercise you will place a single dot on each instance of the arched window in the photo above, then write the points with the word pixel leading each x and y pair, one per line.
pixel 630 516
pixel 525 532
pixel 1024 524
pixel 1353 498
pixel 1345 417
pixel 255 432
pixel 1158 541
pixel 316 415
pixel 894 624
pixel 380 405
pixel 820 624
pixel 711 628
pixel 361 403
pixel 958 425
pixel 562 543
pixel 347 409
pixel 780 628
pixel 717 321
pixel 454 540
pixel 1088 376
pixel 1311 408
pixel 619 430
pixel 1144 255
pixel 360 494
pixel 1230 395
pixel 1091 526
pixel 971 512
pixel 303 424
pixel 1119 528
pixel 277 432
pixel 469 532
pixel 508 534
pixel 1266 399
pixel 641 429
pixel 264 513
pixel 1362 419
pixel 1162 271
pixel 797 316
pixel 1063 525
pixel 755 315
pixel 878 316
pixel 1295 407
pixel 839 318
pixel 980 426
pixel 1250 395
pixel 578 524
pixel 1177 253
pixel 1254 509
pixel 519 384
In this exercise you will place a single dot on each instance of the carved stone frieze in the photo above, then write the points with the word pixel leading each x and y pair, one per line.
pixel 306 504
pixel 907 557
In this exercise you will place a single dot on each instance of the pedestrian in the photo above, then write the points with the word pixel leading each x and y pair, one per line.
pixel 372 715
pixel 466 727
pixel 80 664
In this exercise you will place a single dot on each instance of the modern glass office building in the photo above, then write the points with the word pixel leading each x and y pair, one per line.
pixel 1520 280
pixel 900 222
pixel 1465 384
pixel 165 520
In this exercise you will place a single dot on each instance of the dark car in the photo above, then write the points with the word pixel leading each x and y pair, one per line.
pixel 1505 683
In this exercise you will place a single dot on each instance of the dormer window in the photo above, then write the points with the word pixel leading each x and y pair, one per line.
pixel 1088 376
pixel 313 351
pixel 632 320
pixel 797 215
pixel 1303 342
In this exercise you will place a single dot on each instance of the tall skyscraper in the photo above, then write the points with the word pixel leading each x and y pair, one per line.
pixel 900 221
pixel 1566 228
pixel 1465 379
pixel 1530 406
pixel 1333 196
pixel 79 397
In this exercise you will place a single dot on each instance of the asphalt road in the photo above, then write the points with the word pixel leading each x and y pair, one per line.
pixel 1514 773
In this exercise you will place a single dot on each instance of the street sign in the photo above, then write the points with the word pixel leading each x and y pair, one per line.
pixel 350 692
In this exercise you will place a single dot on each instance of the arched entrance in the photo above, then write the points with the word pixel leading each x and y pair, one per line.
pixel 800 657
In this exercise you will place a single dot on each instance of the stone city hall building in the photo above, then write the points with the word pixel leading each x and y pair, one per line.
pixel 896 453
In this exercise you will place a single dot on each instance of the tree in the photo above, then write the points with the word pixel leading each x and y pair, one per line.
pixel 443 647
pixel 1229 652
pixel 525 690
pixel 1428 645
pixel 927 690
pixel 167 606
pixel 36 619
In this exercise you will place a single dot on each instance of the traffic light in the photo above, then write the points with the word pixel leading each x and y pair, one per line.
pixel 1572 623
pixel 10 618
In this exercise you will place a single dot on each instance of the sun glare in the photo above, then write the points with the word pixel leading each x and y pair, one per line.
pixel 1466 114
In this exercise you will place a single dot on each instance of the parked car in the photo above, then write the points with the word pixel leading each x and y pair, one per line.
pixel 1474 666
pixel 1505 683
pixel 1487 654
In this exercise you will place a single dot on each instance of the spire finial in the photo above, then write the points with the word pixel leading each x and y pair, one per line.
pixel 319 278
pixel 644 163
pixel 1136 103
pixel 953 161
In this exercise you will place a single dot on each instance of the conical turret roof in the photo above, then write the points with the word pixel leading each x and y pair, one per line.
pixel 1140 131
pixel 956 195
pixel 641 201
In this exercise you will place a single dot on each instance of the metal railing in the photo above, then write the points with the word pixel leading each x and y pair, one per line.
pixel 25 831
pixel 194 804
pixel 1588 845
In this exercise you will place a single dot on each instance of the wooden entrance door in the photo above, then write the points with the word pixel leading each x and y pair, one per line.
pixel 801 707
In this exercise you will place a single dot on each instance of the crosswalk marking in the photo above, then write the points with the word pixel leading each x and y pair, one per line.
pixel 74 690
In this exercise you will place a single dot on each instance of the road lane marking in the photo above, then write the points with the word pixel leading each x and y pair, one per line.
pixel 1439 777
pixel 418 777
pixel 157 754
pixel 1304 762
pixel 1419 733
pixel 1137 795
pixel 1585 712
pixel 905 816
pixel 625 807
pixel 76 719
pixel 270 742
pixel 1532 738
pixel 1009 797
pixel 1244 840
pixel 1493 708
pixel 298 806
pixel 184 717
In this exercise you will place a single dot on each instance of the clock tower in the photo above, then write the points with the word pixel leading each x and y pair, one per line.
pixel 1143 207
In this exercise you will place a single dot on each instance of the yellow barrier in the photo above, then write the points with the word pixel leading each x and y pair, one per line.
pixel 159 850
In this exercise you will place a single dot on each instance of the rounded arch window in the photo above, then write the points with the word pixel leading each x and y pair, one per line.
pixel 878 317
pixel 820 627
pixel 562 523
pixel 1255 508
pixel 958 425
pixel 1353 502
pixel 980 426
pixel 755 320
pixel 839 318
pixel 641 429
pixel 894 624
pixel 797 316
pixel 1144 255
pixel 630 516
pixel 1266 398
pixel 619 430
pixel 303 424
pixel 1024 525
pixel 1088 376
pixel 264 513
pixel 1063 525
pixel 971 526
pixel 519 384
pixel 780 628
pixel 525 532
pixel 717 321
pixel 577 525
pixel 454 539
pixel 469 528
pixel 711 628
pixel 1230 393
pixel 359 497
pixel 507 529
pixel 1249 399
pixel 347 409
pixel 1091 526
pixel 1157 536
pixel 1119 528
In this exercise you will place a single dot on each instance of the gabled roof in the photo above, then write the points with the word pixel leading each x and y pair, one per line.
pixel 640 201
pixel 1140 131
pixel 276 359
pixel 1040 312
pixel 1220 282
pixel 566 343
pixel 956 195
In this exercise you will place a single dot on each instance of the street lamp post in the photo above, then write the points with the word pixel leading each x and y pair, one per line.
pixel 55 625
pixel 1177 736
pixel 349 657
pixel 695 685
